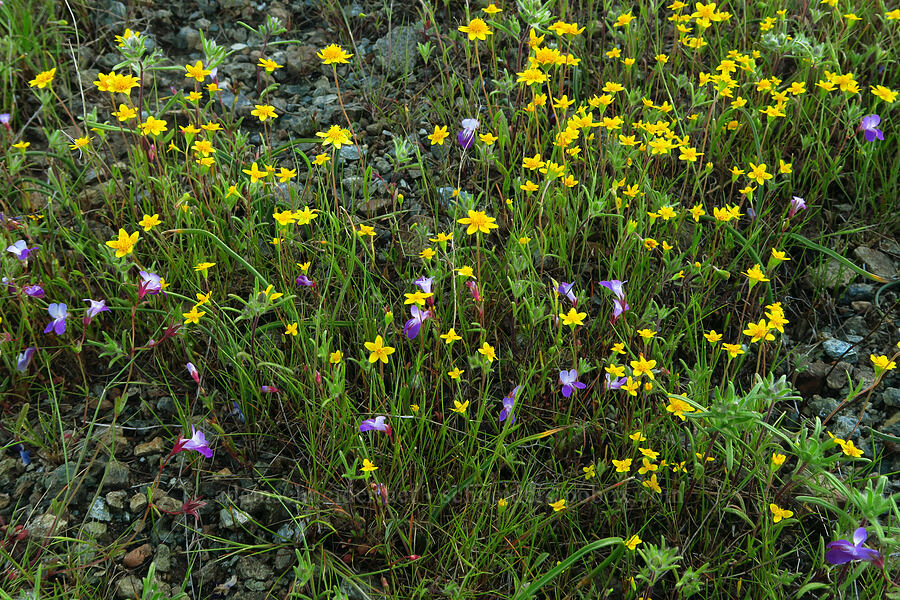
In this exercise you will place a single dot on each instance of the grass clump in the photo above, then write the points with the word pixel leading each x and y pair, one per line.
pixel 545 352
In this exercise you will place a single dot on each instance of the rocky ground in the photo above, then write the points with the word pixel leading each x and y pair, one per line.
pixel 837 321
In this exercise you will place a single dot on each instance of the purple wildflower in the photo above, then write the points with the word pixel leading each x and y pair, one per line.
pixel 565 289
pixel 508 403
pixel 411 329
pixel 8 283
pixel 96 307
pixel 305 281
pixel 34 291
pixel 569 382
pixel 196 442
pixel 844 551
pixel 869 126
pixel 24 359
pixel 58 312
pixel 236 412
pixel 151 284
pixel 473 288
pixel 376 424
pixel 614 384
pixel 268 389
pixel 619 303
pixel 425 284
pixel 797 204
pixel 195 374
pixel 21 249
pixel 467 135
pixel 4 120
pixel 24 454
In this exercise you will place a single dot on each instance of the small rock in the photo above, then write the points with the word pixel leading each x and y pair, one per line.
pixel 116 475
pixel 840 350
pixel 129 587
pixel 831 274
pixel 252 503
pixel 43 525
pixel 397 51
pixel 136 557
pixel 861 306
pixel 876 262
pixel 163 558
pixel 349 153
pixel 155 446
pixel 99 511
pixel 165 405
pixel 856 325
pixel 138 503
pixel 4 501
pixel 95 529
pixel 891 396
pixel 233 518
pixel 839 376
pixel 822 407
pixel 168 503
pixel 249 567
pixel 116 500
pixel 860 291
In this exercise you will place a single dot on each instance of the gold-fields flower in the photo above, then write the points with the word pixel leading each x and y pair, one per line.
pixel 43 79
pixel 124 244
pixel 333 54
pixel 478 221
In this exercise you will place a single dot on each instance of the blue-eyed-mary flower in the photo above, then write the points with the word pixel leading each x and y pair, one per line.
pixel 151 284
pixel 304 281
pixel 467 134
pixel 195 374
pixel 268 389
pixel 58 312
pixel 33 291
pixel 869 127
pixel 844 551
pixel 565 289
pixel 614 384
pixel 412 326
pixel 96 307
pixel 376 424
pixel 425 284
pixel 21 250
pixel 508 405
pixel 797 204
pixel 196 442
pixel 569 382
pixel 24 359
pixel 619 303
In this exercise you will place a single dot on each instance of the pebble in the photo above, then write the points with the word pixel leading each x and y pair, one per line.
pixel 129 587
pixel 838 377
pixel 891 397
pixel 99 511
pixel 138 503
pixel 836 349
pixel 163 558
pixel 154 446
pixel 41 526
pixel 136 557
pixel 116 500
